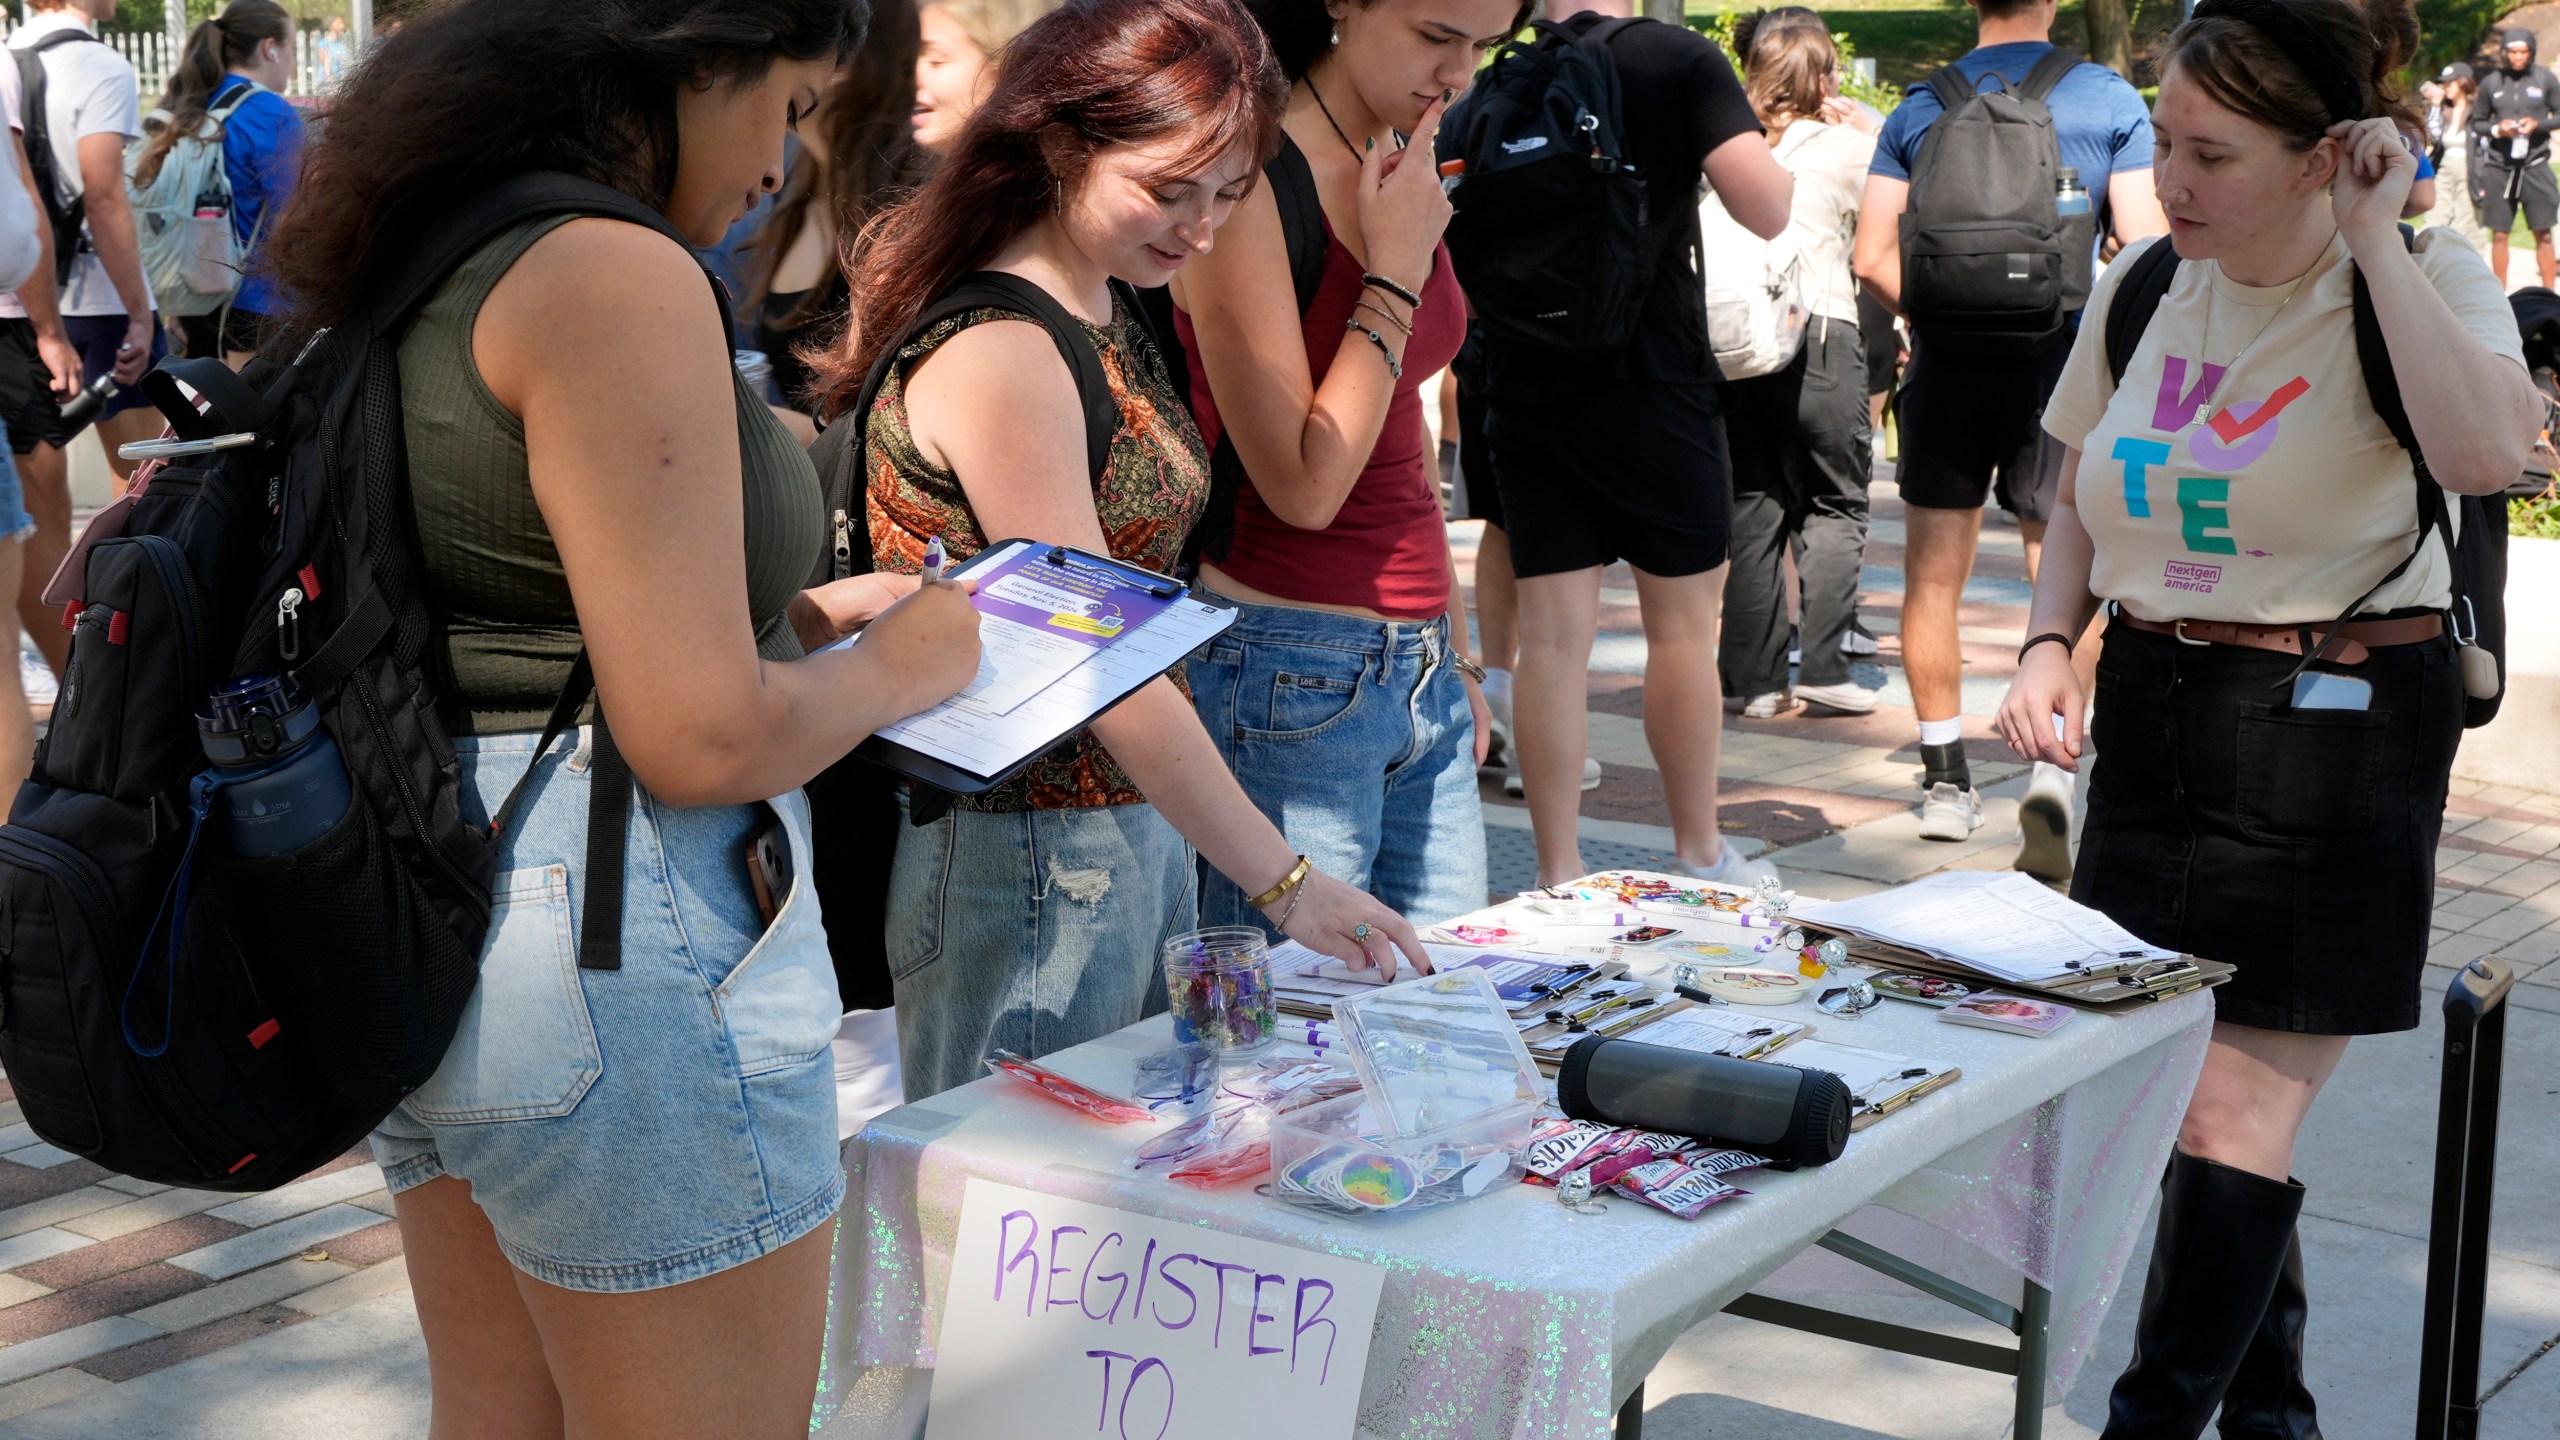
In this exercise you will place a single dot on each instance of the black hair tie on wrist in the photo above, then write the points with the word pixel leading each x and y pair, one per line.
pixel 2341 88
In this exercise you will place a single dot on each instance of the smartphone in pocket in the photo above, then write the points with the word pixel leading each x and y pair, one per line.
pixel 2324 690
pixel 769 869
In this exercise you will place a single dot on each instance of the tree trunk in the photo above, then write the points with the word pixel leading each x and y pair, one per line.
pixel 1665 10
pixel 2111 35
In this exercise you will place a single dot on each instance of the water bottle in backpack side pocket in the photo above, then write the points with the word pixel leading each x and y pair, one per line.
pixel 283 783
pixel 2070 197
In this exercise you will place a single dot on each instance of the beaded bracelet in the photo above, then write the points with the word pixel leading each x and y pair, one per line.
pixel 1389 314
pixel 1395 366
pixel 1383 283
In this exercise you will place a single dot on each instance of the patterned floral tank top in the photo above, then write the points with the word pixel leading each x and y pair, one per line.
pixel 1151 493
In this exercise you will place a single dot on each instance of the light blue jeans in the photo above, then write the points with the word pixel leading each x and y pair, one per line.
pixel 1355 738
pixel 1029 931
pixel 634 1128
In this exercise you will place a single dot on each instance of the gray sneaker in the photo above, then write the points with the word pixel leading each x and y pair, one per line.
pixel 1947 813
pixel 2044 825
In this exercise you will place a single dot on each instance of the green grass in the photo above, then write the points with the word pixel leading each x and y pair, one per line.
pixel 2534 519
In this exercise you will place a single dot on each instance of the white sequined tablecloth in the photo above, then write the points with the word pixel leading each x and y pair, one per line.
pixel 1509 1316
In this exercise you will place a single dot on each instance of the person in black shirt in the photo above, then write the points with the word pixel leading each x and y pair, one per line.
pixel 2518 104
pixel 1626 460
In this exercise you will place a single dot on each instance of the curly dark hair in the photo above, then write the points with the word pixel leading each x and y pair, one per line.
pixel 474 91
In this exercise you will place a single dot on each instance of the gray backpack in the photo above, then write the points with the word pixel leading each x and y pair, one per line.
pixel 1990 267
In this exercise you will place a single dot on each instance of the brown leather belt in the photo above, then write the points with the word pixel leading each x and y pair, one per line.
pixel 2348 646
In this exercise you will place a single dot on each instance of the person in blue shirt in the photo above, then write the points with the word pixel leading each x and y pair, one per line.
pixel 1971 424
pixel 241 59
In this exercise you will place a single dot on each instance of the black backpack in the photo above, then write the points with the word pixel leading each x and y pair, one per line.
pixel 69 220
pixel 1550 236
pixel 174 1011
pixel 1990 268
pixel 2479 555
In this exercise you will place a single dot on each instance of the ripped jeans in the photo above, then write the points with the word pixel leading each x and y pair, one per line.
pixel 1029 931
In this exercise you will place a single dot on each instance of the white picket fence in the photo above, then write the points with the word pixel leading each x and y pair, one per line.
pixel 152 53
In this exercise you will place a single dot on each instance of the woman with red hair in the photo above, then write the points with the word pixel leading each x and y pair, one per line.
pixel 1118 136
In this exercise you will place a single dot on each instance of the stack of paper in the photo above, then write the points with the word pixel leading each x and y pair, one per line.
pixel 1525 984
pixel 2001 923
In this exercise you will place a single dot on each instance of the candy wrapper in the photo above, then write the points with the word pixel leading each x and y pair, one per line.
pixel 1070 1093
pixel 1221 1168
pixel 1674 1187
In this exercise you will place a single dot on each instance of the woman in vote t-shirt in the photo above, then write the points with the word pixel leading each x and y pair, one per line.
pixel 2235 495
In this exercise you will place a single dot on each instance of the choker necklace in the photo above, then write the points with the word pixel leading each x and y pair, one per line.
pixel 1356 157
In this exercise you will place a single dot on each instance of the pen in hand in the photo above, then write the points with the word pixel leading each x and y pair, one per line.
pixel 934 560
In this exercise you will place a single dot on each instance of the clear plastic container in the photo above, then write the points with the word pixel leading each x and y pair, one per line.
pixel 1448 1097
pixel 1218 983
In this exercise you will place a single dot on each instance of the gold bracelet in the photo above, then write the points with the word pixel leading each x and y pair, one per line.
pixel 1288 882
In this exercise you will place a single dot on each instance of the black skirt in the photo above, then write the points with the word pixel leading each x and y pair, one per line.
pixel 2297 845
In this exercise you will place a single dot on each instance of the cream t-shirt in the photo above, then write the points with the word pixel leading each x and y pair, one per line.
pixel 2240 473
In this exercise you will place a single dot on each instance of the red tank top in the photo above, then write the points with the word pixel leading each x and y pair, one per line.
pixel 1387 549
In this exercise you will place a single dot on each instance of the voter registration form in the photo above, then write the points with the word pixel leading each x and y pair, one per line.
pixel 1065 635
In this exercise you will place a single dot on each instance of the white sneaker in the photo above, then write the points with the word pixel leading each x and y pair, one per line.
pixel 2044 825
pixel 1856 641
pixel 1515 787
pixel 1947 813
pixel 1847 698
pixel 1767 707
pixel 1730 868
pixel 37 677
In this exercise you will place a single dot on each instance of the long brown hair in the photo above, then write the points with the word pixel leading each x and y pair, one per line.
pixel 213 47
pixel 2250 73
pixel 872 156
pixel 1788 64
pixel 1089 75
pixel 472 92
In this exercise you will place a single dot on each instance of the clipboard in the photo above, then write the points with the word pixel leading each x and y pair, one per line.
pixel 1204 616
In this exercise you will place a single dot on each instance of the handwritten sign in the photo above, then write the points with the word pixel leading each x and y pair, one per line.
pixel 1066 1319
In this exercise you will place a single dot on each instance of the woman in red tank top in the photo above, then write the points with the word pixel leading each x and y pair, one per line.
pixel 1353 635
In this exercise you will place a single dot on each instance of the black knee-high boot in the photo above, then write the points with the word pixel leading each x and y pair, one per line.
pixel 2268 1399
pixel 2214 1265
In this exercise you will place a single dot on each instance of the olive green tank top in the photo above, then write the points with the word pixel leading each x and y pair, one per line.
pixel 505 631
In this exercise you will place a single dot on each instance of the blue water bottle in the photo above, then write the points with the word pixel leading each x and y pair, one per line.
pixel 281 779
pixel 2070 197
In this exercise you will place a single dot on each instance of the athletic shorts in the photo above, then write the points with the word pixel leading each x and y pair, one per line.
pixel 1635 471
pixel 96 338
pixel 1974 428
pixel 2505 189
pixel 27 405
pixel 1884 347
pixel 1475 457
pixel 241 330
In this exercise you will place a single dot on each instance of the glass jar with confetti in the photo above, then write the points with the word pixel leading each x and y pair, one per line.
pixel 1218 982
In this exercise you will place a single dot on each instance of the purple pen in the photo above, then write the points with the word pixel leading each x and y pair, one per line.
pixel 934 560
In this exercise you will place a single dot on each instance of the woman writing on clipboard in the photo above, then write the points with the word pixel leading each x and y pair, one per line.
pixel 1118 136
pixel 2236 493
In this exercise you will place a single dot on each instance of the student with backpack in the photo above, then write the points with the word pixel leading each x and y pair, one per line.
pixel 1607 409
pixel 225 96
pixel 90 106
pixel 1116 138
pixel 1980 225
pixel 23 253
pixel 1798 426
pixel 615 1191
pixel 1343 698
pixel 2244 414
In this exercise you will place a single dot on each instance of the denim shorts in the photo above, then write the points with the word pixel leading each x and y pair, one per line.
pixel 1029 930
pixel 15 522
pixel 635 1128
pixel 1355 738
